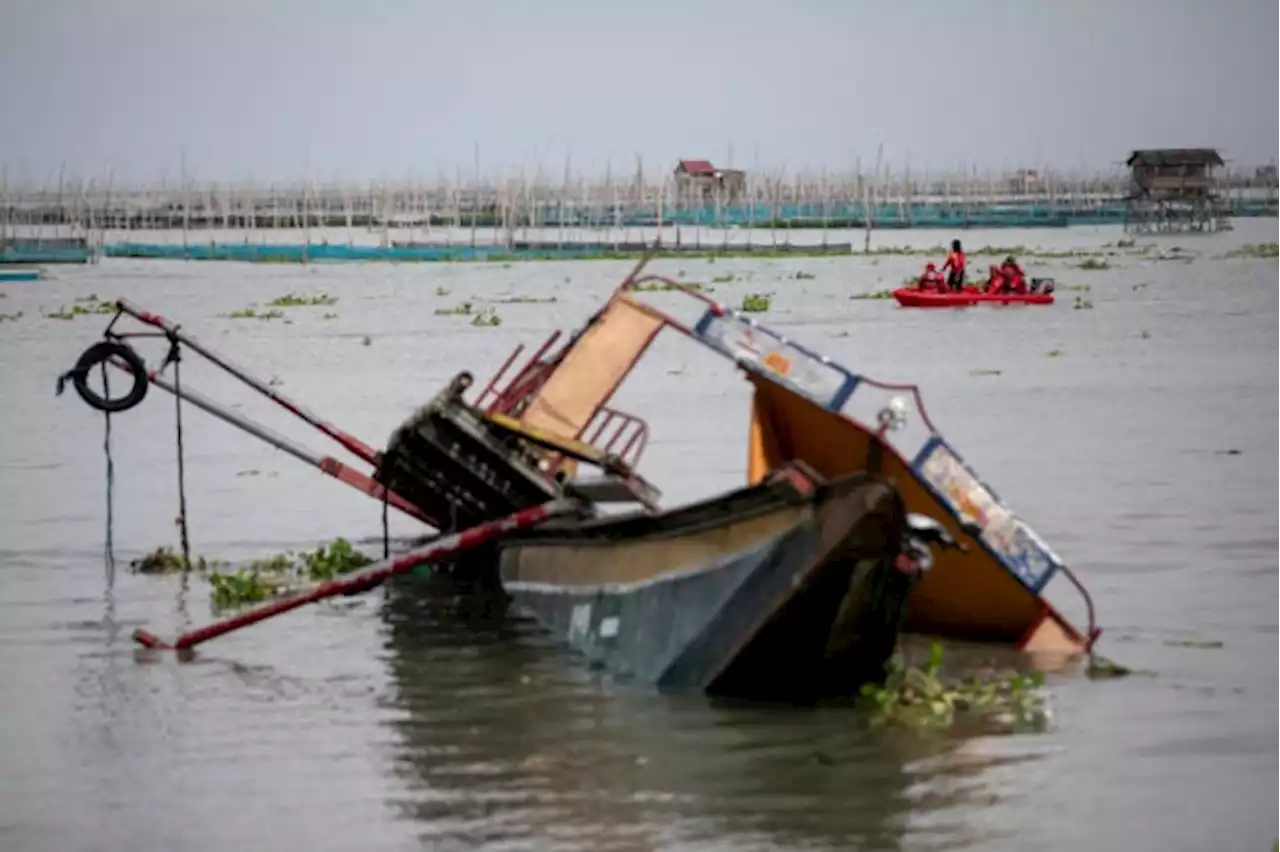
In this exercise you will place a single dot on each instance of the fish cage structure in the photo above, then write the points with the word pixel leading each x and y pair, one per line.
pixel 1174 191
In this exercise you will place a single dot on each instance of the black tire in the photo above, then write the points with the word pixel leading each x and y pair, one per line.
pixel 95 355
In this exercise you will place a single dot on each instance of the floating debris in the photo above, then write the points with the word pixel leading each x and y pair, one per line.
pixel 1194 643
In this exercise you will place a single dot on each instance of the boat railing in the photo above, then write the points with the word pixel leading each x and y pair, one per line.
pixel 526 380
pixel 881 408
pixel 618 433
pixel 610 430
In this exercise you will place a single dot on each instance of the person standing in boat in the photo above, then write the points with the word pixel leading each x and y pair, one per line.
pixel 954 267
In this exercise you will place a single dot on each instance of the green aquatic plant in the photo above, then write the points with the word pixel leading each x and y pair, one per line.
pixel 756 303
pixel 294 300
pixel 722 279
pixel 919 697
pixel 331 560
pixel 240 587
pixel 1055 353
pixel 11 317
pixel 1079 288
pixel 80 308
pixel 801 275
pixel 877 294
pixel 162 560
pixel 329 316
pixel 1093 263
pixel 1255 250
pixel 524 300
pixel 1082 304
pixel 442 291
pixel 662 286
pixel 486 318
pixel 466 309
pixel 251 313
pixel 274 575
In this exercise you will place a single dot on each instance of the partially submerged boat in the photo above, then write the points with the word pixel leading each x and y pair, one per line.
pixel 795 584
pixel 806 407
pixel 790 588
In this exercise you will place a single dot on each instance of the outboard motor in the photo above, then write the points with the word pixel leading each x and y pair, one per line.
pixel 865 630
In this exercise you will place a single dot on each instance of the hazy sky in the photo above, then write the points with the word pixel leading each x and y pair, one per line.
pixel 385 88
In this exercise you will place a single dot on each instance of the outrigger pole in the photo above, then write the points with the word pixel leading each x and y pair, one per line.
pixel 173 332
pixel 117 353
pixel 361 581
pixel 344 473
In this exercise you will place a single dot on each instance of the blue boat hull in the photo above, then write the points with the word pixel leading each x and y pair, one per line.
pixel 759 593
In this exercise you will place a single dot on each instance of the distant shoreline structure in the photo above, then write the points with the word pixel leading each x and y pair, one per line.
pixel 693 204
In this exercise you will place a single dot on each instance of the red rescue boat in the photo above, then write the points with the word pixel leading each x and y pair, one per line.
pixel 911 297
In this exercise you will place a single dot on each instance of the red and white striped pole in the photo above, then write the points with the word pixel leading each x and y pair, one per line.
pixel 367 578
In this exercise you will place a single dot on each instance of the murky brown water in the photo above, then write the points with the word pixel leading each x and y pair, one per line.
pixel 414 718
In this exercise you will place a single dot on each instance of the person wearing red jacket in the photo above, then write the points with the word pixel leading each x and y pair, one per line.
pixel 954 267
pixel 931 279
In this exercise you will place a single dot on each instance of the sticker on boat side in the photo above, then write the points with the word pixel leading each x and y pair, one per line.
pixel 1015 543
pixel 825 384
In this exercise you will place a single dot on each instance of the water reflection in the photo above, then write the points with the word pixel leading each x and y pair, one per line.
pixel 507 738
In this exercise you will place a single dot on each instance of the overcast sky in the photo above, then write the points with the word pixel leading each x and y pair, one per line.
pixel 386 88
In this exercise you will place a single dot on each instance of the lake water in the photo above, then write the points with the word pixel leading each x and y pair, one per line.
pixel 1143 449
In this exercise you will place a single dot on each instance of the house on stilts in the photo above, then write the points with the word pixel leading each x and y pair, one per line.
pixel 1174 190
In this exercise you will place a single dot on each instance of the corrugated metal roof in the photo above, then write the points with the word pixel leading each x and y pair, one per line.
pixel 1175 157
pixel 697 167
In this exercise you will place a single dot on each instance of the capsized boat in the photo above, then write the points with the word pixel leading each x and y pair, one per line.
pixel 911 297
pixel 791 588
pixel 807 407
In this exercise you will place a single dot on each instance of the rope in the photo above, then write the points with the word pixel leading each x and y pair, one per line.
pixel 110 555
pixel 175 357
pixel 386 537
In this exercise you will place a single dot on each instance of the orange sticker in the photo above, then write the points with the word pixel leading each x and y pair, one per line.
pixel 777 362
